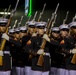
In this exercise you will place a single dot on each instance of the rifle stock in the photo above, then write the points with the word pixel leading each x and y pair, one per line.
pixel 6 31
pixel 4 41
pixel 73 59
pixel 41 57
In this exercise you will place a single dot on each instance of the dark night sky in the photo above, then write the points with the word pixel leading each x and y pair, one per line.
pixel 38 4
pixel 51 4
pixel 65 5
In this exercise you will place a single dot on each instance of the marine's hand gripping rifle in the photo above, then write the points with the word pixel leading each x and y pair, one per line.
pixel 41 59
pixel 7 29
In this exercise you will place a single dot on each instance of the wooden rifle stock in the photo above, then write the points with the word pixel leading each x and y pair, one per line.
pixel 73 59
pixel 41 58
pixel 4 41
pixel 6 31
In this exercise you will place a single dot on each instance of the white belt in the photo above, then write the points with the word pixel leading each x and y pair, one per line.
pixel 47 54
pixel 6 52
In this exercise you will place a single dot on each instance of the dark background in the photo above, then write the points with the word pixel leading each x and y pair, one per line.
pixel 37 5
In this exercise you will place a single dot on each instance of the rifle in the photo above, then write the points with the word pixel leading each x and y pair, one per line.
pixel 4 13
pixel 7 28
pixel 34 20
pixel 74 18
pixel 65 17
pixel 15 24
pixel 73 60
pixel 20 21
pixel 29 19
pixel 53 23
pixel 8 11
pixel 41 12
pixel 41 59
pixel 30 56
pixel 35 16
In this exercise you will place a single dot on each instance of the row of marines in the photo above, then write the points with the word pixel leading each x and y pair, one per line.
pixel 23 48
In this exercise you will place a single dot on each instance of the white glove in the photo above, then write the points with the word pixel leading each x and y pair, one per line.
pixel 45 36
pixel 5 36
pixel 73 51
pixel 1 53
pixel 40 51
pixel 34 34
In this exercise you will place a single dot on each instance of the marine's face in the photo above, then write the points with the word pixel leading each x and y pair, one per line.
pixel 30 30
pixel 2 29
pixel 73 30
pixel 40 31
pixel 22 34
pixel 64 33
pixel 54 34
pixel 17 35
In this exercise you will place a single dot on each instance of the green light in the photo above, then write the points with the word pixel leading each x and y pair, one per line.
pixel 30 7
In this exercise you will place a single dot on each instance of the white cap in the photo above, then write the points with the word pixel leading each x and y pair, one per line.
pixel 32 23
pixel 11 31
pixel 55 29
pixel 41 24
pixel 63 26
pixel 3 21
pixel 72 24
pixel 16 29
pixel 23 28
pixel 27 22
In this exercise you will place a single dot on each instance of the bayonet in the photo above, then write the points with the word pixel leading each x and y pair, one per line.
pixel 35 15
pixel 14 26
pixel 14 10
pixel 42 12
pixel 65 17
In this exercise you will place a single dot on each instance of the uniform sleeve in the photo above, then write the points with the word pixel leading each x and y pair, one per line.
pixel 54 42
pixel 29 46
pixel 16 43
